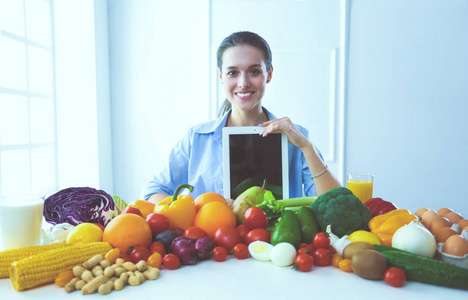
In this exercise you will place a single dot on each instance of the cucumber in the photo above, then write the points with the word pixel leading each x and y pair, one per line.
pixel 427 270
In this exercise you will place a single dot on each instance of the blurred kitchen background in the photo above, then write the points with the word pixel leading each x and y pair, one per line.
pixel 96 93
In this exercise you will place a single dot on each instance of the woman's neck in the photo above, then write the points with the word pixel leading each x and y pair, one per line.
pixel 243 118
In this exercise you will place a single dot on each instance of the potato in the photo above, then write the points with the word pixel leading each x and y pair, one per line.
pixel 369 264
pixel 354 247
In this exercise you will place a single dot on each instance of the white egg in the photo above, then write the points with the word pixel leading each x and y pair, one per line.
pixel 283 254
pixel 260 250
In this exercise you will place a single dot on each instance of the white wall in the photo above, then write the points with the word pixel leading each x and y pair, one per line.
pixel 159 64
pixel 405 105
pixel 407 100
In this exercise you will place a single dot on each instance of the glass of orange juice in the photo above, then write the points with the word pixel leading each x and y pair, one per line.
pixel 361 184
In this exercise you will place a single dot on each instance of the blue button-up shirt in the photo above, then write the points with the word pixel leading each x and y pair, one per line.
pixel 197 159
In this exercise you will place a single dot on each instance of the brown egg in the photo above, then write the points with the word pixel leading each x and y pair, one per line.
pixel 463 223
pixel 437 224
pixel 427 217
pixel 454 217
pixel 419 212
pixel 456 245
pixel 443 234
pixel 465 229
pixel 444 211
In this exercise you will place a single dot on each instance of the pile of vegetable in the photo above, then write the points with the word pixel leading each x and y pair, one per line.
pixel 374 240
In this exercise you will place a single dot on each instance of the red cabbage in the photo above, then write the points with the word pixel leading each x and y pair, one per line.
pixel 77 205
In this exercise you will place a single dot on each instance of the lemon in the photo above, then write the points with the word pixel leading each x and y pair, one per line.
pixel 84 233
pixel 364 236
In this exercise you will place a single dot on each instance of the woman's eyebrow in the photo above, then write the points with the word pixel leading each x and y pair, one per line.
pixel 250 67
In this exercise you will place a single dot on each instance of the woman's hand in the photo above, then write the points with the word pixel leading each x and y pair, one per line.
pixel 285 125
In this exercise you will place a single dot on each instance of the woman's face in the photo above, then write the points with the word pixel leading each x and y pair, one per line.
pixel 244 77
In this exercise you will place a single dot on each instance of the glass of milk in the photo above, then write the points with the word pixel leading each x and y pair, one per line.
pixel 20 220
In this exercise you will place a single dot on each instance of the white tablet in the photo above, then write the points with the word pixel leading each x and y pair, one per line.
pixel 249 159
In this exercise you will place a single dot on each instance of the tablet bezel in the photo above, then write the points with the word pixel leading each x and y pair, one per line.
pixel 248 130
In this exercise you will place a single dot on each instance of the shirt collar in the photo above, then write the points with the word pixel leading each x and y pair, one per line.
pixel 216 126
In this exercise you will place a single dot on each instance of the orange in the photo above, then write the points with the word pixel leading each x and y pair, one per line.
pixel 205 198
pixel 145 207
pixel 127 230
pixel 214 215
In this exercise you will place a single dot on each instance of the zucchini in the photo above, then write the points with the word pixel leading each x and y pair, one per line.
pixel 427 270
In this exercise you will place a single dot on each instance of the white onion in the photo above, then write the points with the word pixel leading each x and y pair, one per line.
pixel 416 239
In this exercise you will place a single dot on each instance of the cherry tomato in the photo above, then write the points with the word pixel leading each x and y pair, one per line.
pixel 321 241
pixel 345 265
pixel 139 253
pixel 171 261
pixel 240 251
pixel 321 257
pixel 220 253
pixel 331 249
pixel 194 232
pixel 158 247
pixel 155 260
pixel 157 222
pixel 304 262
pixel 257 234
pixel 124 256
pixel 99 225
pixel 227 237
pixel 131 210
pixel 307 249
pixel 335 260
pixel 255 217
pixel 395 277
pixel 242 230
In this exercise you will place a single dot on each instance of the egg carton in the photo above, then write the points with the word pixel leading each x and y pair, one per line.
pixel 458 261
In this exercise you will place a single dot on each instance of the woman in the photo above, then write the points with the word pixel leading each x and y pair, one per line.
pixel 245 68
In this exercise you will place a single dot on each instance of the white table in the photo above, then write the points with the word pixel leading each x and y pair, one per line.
pixel 250 279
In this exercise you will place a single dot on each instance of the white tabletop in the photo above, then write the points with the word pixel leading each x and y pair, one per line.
pixel 250 279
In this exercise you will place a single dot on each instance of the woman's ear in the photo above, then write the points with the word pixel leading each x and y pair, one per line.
pixel 270 74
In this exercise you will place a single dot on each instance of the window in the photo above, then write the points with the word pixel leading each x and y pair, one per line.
pixel 28 139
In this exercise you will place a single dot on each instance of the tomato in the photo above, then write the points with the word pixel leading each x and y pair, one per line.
pixel 255 217
pixel 155 260
pixel 257 234
pixel 304 262
pixel 139 253
pixel 395 277
pixel 171 261
pixel 131 210
pixel 321 241
pixel 331 249
pixel 308 249
pixel 220 253
pixel 321 257
pixel 240 251
pixel 227 237
pixel 194 232
pixel 158 247
pixel 242 230
pixel 157 222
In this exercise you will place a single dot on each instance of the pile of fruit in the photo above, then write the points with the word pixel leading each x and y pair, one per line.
pixel 374 240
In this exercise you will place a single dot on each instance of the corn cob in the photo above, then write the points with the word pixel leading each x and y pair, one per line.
pixel 44 267
pixel 8 257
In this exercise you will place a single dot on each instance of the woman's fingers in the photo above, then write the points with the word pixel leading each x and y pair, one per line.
pixel 286 126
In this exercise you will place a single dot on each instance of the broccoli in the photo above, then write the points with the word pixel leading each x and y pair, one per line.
pixel 342 210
